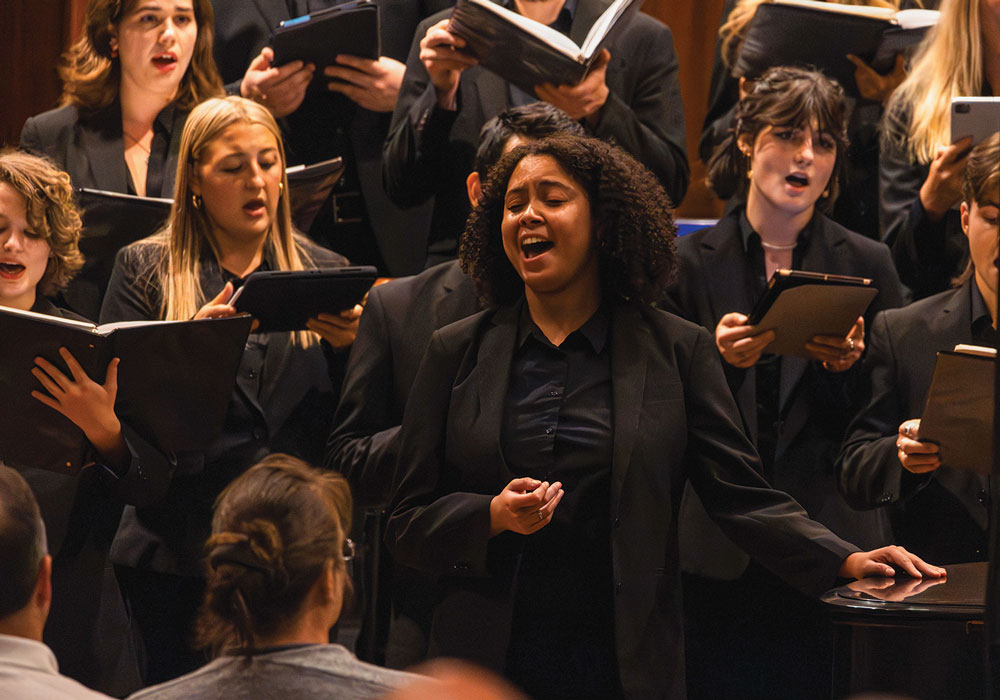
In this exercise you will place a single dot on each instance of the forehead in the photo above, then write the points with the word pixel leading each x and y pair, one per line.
pixel 13 204
pixel 169 6
pixel 241 138
pixel 535 169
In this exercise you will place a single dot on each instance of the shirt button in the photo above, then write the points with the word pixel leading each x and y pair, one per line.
pixel 258 433
pixel 548 431
pixel 251 374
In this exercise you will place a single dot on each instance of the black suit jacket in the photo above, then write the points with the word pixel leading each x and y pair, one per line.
pixel 327 125
pixel 91 147
pixel 399 318
pixel 674 419
pixel 940 516
pixel 430 151
pixel 714 276
pixel 282 402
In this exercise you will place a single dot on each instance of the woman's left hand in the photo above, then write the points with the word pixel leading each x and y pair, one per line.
pixel 881 562
pixel 338 330
pixel 89 405
pixel 839 354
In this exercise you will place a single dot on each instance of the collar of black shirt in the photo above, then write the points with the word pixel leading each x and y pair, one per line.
pixel 562 23
pixel 983 331
pixel 594 331
pixel 748 235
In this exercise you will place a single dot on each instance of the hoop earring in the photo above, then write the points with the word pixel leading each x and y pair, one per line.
pixel 281 188
pixel 196 201
pixel 749 173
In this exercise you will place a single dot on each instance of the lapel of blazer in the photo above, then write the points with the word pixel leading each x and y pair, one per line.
pixel 630 344
pixel 104 151
pixel 479 398
pixel 274 13
pixel 724 264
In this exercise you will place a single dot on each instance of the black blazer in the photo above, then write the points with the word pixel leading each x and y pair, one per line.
pixel 327 125
pixel 430 151
pixel 91 147
pixel 399 318
pixel 713 279
pixel 940 516
pixel 674 419
pixel 282 402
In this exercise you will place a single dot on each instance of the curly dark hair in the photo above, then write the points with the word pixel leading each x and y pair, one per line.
pixel 630 209
pixel 784 96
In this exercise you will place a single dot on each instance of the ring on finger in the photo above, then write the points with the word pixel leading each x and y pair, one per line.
pixel 851 342
pixel 540 514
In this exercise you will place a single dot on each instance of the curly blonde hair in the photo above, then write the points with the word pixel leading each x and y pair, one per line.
pixel 51 213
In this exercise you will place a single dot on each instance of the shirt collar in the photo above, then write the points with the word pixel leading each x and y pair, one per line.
pixel 594 330
pixel 980 313
pixel 747 234
pixel 27 653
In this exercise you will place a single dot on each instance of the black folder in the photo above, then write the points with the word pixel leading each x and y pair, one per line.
pixel 350 28
pixel 799 305
pixel 958 415
pixel 174 382
pixel 309 187
pixel 111 221
pixel 528 53
pixel 285 300
pixel 820 35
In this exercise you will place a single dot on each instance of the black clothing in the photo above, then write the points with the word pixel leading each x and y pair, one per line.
pixel 328 124
pixel 429 151
pixel 941 516
pixel 673 419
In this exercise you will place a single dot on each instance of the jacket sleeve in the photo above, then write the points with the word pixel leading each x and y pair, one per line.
pixel 926 252
pixel 432 527
pixel 870 474
pixel 366 427
pixel 723 468
pixel 646 117
pixel 415 157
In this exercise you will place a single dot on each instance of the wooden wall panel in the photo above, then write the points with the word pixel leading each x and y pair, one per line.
pixel 38 31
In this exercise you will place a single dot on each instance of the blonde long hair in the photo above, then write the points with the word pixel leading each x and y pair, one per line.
pixel 189 229
pixel 733 31
pixel 948 63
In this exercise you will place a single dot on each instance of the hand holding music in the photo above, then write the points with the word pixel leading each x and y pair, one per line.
pixel 873 85
pixel 839 354
pixel 943 186
pixel 916 457
pixel 339 330
pixel 281 89
pixel 737 343
pixel 442 55
pixel 582 101
pixel 524 506
pixel 373 85
pixel 89 405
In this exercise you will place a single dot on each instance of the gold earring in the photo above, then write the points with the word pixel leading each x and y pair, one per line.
pixel 281 187
pixel 196 201
pixel 749 173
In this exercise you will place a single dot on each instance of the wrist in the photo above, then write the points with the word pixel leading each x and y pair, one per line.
pixel 495 519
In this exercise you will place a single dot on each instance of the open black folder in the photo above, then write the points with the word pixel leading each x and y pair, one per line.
pixel 528 53
pixel 350 28
pixel 821 34
pixel 111 221
pixel 799 305
pixel 958 415
pixel 174 382
pixel 285 300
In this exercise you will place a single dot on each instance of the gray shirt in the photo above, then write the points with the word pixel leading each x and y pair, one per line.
pixel 304 672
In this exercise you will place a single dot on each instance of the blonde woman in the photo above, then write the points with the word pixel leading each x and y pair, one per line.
pixel 128 84
pixel 230 218
pixel 920 170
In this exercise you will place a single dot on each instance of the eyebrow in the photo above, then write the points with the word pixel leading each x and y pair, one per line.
pixel 156 7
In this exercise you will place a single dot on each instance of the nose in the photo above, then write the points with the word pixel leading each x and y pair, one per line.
pixel 168 35
pixel 9 241
pixel 805 152
pixel 256 179
pixel 529 217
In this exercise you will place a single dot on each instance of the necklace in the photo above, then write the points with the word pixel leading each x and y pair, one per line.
pixel 136 141
pixel 772 246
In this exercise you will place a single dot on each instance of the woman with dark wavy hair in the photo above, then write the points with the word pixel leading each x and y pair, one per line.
pixel 547 441
pixel 128 84
pixel 276 581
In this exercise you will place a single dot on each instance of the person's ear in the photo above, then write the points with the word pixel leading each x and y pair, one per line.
pixel 474 187
pixel 966 211
pixel 745 144
pixel 42 597
pixel 113 40
pixel 194 182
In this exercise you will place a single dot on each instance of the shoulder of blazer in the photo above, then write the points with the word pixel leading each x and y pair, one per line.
pixel 321 257
pixel 51 127
pixel 923 316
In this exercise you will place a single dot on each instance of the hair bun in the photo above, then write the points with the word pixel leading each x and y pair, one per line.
pixel 257 548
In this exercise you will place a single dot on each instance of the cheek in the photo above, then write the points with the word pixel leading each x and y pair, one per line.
pixel 39 258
